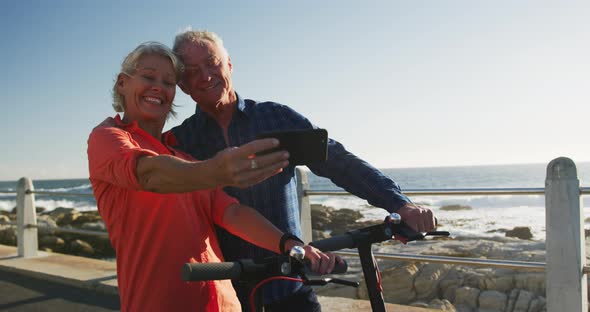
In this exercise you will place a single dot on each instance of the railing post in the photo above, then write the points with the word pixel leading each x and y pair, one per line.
pixel 26 218
pixel 566 285
pixel 304 207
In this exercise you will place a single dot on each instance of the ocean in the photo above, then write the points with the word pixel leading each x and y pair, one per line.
pixel 488 213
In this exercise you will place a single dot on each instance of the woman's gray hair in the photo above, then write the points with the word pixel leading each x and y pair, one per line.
pixel 190 35
pixel 129 67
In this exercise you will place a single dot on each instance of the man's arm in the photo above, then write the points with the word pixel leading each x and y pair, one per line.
pixel 357 176
pixel 360 178
pixel 230 167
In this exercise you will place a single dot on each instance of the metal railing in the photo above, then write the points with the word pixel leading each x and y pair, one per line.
pixel 565 267
pixel 506 264
pixel 457 191
pixel 59 193
pixel 524 265
pixel 565 250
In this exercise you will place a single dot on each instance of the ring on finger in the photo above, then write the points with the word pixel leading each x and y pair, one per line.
pixel 253 164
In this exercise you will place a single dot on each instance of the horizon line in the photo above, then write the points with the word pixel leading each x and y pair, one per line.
pixel 379 168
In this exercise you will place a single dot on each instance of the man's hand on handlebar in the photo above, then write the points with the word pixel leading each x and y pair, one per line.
pixel 321 262
pixel 420 219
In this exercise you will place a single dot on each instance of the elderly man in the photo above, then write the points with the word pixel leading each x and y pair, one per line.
pixel 223 118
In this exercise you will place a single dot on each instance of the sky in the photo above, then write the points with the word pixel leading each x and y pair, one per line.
pixel 399 83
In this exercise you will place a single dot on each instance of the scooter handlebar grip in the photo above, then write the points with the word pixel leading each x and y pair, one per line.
pixel 211 271
pixel 340 268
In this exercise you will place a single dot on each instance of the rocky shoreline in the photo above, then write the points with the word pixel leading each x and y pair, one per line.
pixel 449 287
pixel 52 240
pixel 431 285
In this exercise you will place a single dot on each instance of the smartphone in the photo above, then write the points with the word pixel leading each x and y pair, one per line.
pixel 306 146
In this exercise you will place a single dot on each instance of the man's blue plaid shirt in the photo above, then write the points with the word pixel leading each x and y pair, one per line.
pixel 276 198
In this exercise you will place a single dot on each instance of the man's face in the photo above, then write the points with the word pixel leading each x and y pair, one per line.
pixel 207 76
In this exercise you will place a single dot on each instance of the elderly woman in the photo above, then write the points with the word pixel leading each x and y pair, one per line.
pixel 160 205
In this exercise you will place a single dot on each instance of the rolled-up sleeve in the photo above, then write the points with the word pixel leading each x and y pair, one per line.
pixel 360 178
pixel 219 202
pixel 113 155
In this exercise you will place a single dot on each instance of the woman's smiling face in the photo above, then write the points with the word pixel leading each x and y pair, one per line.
pixel 150 90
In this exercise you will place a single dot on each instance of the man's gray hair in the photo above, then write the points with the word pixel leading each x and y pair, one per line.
pixel 190 35
pixel 129 67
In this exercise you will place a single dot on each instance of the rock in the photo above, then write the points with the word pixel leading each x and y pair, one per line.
pixel 102 246
pixel 538 305
pixel 501 230
pixel 455 207
pixel 86 217
pixel 443 305
pixel 317 235
pixel 488 249
pixel 523 301
pixel 67 218
pixel 531 281
pixel 512 296
pixel 520 300
pixel 522 232
pixel 397 284
pixel 318 210
pixel 426 282
pixel 11 216
pixel 492 300
pixel 53 243
pixel 474 280
pixel 94 226
pixel 467 296
pixel 419 304
pixel 55 213
pixel 321 217
pixel 451 282
pixel 501 283
pixel 339 221
pixel 80 247
pixel 63 216
pixel 342 219
pixel 8 235
pixel 46 225
pixel 364 224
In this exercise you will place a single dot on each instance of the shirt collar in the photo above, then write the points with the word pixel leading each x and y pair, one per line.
pixel 168 138
pixel 132 126
pixel 241 104
pixel 203 119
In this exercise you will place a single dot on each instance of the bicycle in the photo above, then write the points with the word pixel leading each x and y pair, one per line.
pixel 289 266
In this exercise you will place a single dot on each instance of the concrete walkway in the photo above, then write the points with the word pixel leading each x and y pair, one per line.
pixel 91 285
pixel 20 293
pixel 86 273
